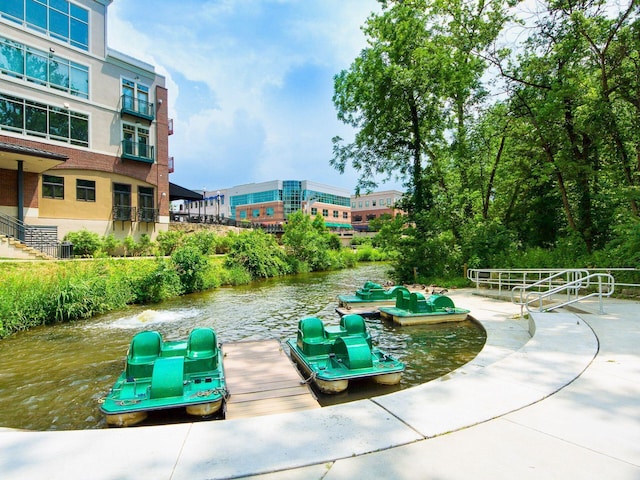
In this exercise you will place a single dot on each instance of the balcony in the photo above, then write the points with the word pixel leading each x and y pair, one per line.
pixel 137 108
pixel 123 213
pixel 139 152
pixel 148 215
pixel 171 165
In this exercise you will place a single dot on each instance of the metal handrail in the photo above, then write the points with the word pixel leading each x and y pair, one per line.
pixel 29 235
pixel 579 278
pixel 604 289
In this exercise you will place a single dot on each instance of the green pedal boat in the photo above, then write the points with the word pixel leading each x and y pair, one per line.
pixel 161 375
pixel 415 309
pixel 371 295
pixel 334 355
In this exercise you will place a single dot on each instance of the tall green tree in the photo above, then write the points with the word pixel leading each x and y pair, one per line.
pixel 393 96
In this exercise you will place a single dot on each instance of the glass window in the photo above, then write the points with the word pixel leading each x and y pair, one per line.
pixel 373 203
pixel 145 204
pixel 35 119
pixel 345 215
pixel 11 57
pixel 122 202
pixel 58 123
pixel 255 213
pixel 37 64
pixel 143 143
pixel 79 129
pixel 85 190
pixel 335 214
pixel 58 24
pixel 129 138
pixel 12 8
pixel 79 31
pixel 270 212
pixel 366 203
pixel 143 99
pixel 59 73
pixel 79 13
pixel 52 187
pixel 314 211
pixel 11 113
pixel 325 212
pixel 360 204
pixel 37 14
pixel 388 201
pixel 127 94
pixel 243 214
pixel 62 5
pixel 79 80
pixel 60 19
pixel 353 204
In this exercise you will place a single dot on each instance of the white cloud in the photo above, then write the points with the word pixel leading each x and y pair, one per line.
pixel 250 82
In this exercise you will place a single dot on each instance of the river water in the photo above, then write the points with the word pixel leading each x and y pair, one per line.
pixel 52 378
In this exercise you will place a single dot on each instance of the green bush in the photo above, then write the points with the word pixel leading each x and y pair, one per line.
pixel 259 254
pixel 160 282
pixel 169 241
pixel 110 245
pixel 204 240
pixel 85 243
pixel 190 265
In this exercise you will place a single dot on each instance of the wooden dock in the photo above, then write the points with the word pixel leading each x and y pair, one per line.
pixel 262 380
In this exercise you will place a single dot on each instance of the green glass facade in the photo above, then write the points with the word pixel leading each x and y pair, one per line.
pixel 292 194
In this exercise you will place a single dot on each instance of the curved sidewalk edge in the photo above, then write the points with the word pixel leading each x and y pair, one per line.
pixel 508 375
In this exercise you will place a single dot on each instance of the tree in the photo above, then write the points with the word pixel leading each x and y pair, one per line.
pixel 392 95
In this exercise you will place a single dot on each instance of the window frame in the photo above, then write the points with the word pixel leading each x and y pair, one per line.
pixel 83 192
pixel 57 187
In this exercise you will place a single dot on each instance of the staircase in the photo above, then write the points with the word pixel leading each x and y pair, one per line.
pixel 12 248
pixel 22 241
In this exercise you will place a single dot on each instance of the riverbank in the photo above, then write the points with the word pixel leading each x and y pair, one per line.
pixel 561 405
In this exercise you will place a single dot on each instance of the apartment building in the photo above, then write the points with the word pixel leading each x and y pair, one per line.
pixel 83 128
pixel 367 207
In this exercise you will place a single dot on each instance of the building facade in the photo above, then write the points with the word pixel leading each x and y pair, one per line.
pixel 83 129
pixel 270 203
pixel 365 208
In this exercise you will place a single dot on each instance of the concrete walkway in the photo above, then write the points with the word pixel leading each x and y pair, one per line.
pixel 562 403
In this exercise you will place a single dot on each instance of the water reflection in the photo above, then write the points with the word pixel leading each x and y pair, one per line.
pixel 53 377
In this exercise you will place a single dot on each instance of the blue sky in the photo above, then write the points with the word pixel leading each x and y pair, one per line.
pixel 250 83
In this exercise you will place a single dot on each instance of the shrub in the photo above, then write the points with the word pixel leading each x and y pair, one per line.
pixel 85 243
pixel 169 241
pixel 158 283
pixel 190 265
pixel 259 254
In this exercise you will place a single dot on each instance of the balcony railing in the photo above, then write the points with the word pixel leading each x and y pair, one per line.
pixel 124 213
pixel 137 107
pixel 148 215
pixel 141 152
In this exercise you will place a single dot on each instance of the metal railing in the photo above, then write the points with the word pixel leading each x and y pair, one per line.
pixel 39 238
pixel 137 106
pixel 506 279
pixel 545 294
pixel 548 289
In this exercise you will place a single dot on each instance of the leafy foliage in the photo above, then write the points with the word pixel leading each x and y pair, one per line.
pixel 259 254
pixel 535 176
